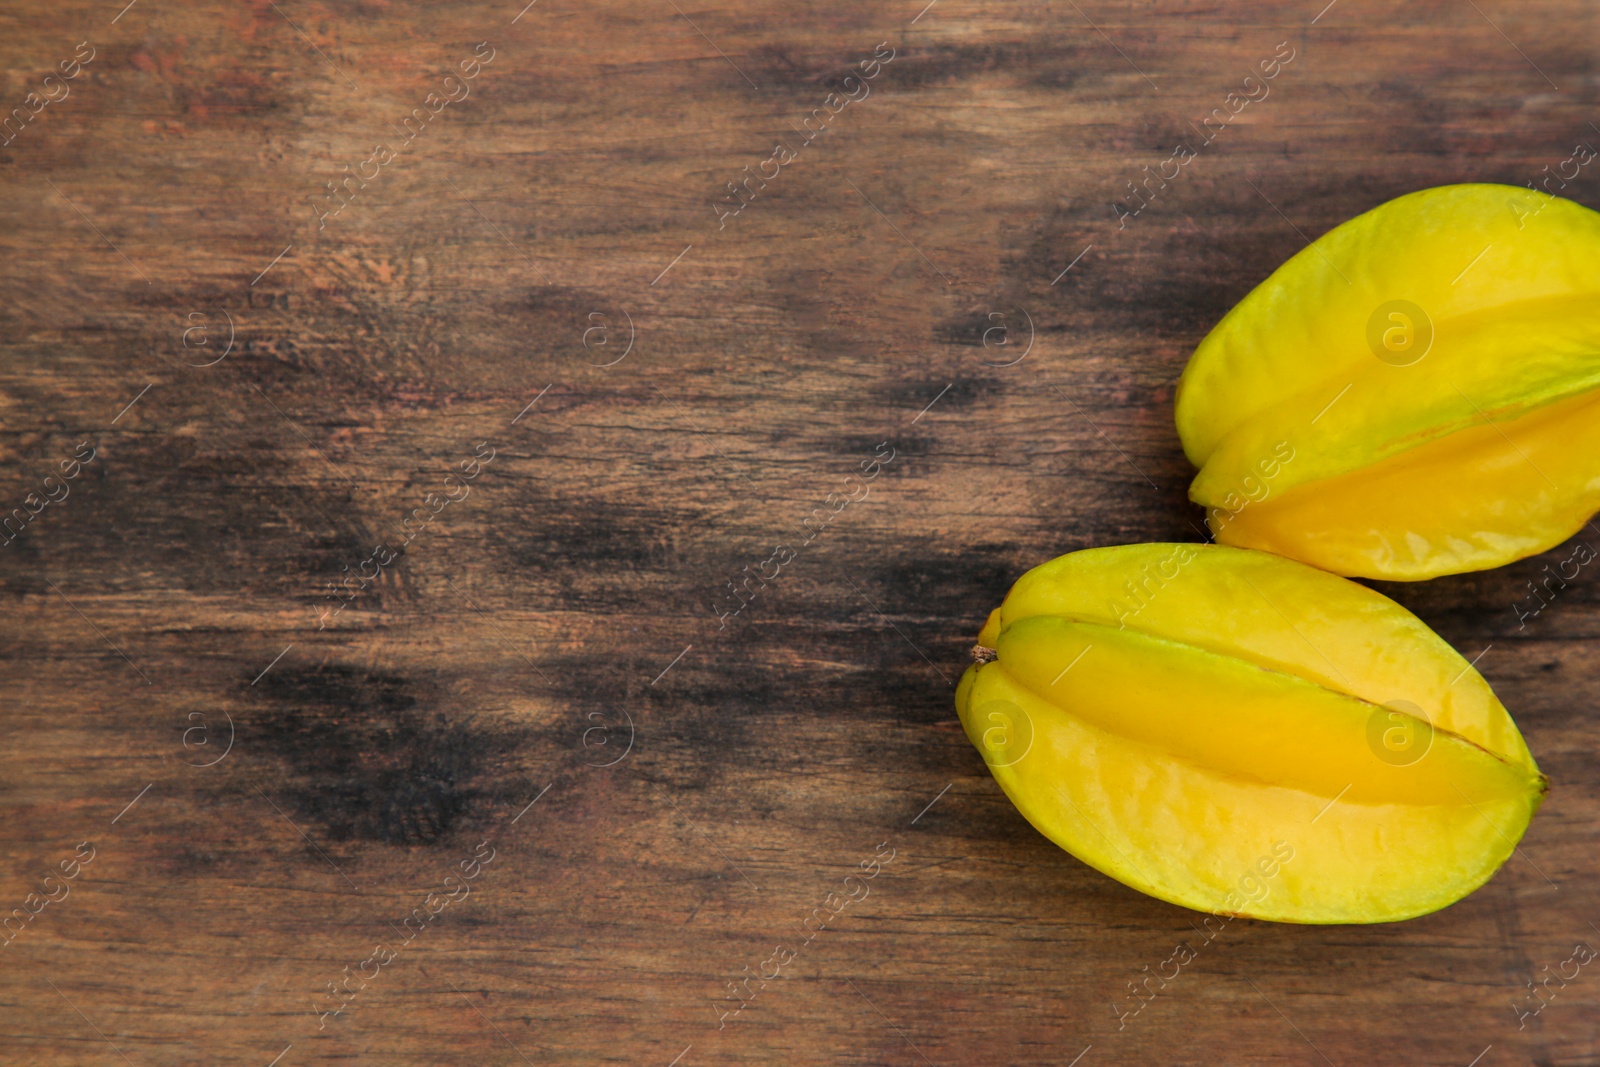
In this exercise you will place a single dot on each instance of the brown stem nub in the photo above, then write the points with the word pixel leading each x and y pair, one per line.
pixel 980 654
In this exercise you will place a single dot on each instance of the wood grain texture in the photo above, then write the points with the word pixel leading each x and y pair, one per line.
pixel 175 598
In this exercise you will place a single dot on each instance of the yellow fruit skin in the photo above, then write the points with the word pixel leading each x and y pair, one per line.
pixel 1222 711
pixel 1476 499
pixel 1473 448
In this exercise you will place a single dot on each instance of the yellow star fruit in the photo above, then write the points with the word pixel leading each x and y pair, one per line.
pixel 1415 393
pixel 1238 733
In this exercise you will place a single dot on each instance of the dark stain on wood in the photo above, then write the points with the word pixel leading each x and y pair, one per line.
pixel 371 757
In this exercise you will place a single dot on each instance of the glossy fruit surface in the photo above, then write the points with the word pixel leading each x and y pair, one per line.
pixel 1415 393
pixel 1238 733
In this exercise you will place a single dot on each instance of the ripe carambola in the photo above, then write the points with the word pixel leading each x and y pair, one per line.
pixel 1433 369
pixel 1175 715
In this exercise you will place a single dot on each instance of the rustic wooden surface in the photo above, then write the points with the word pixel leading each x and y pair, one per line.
pixel 564 614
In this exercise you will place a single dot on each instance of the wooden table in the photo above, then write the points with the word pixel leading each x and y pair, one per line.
pixel 537 387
